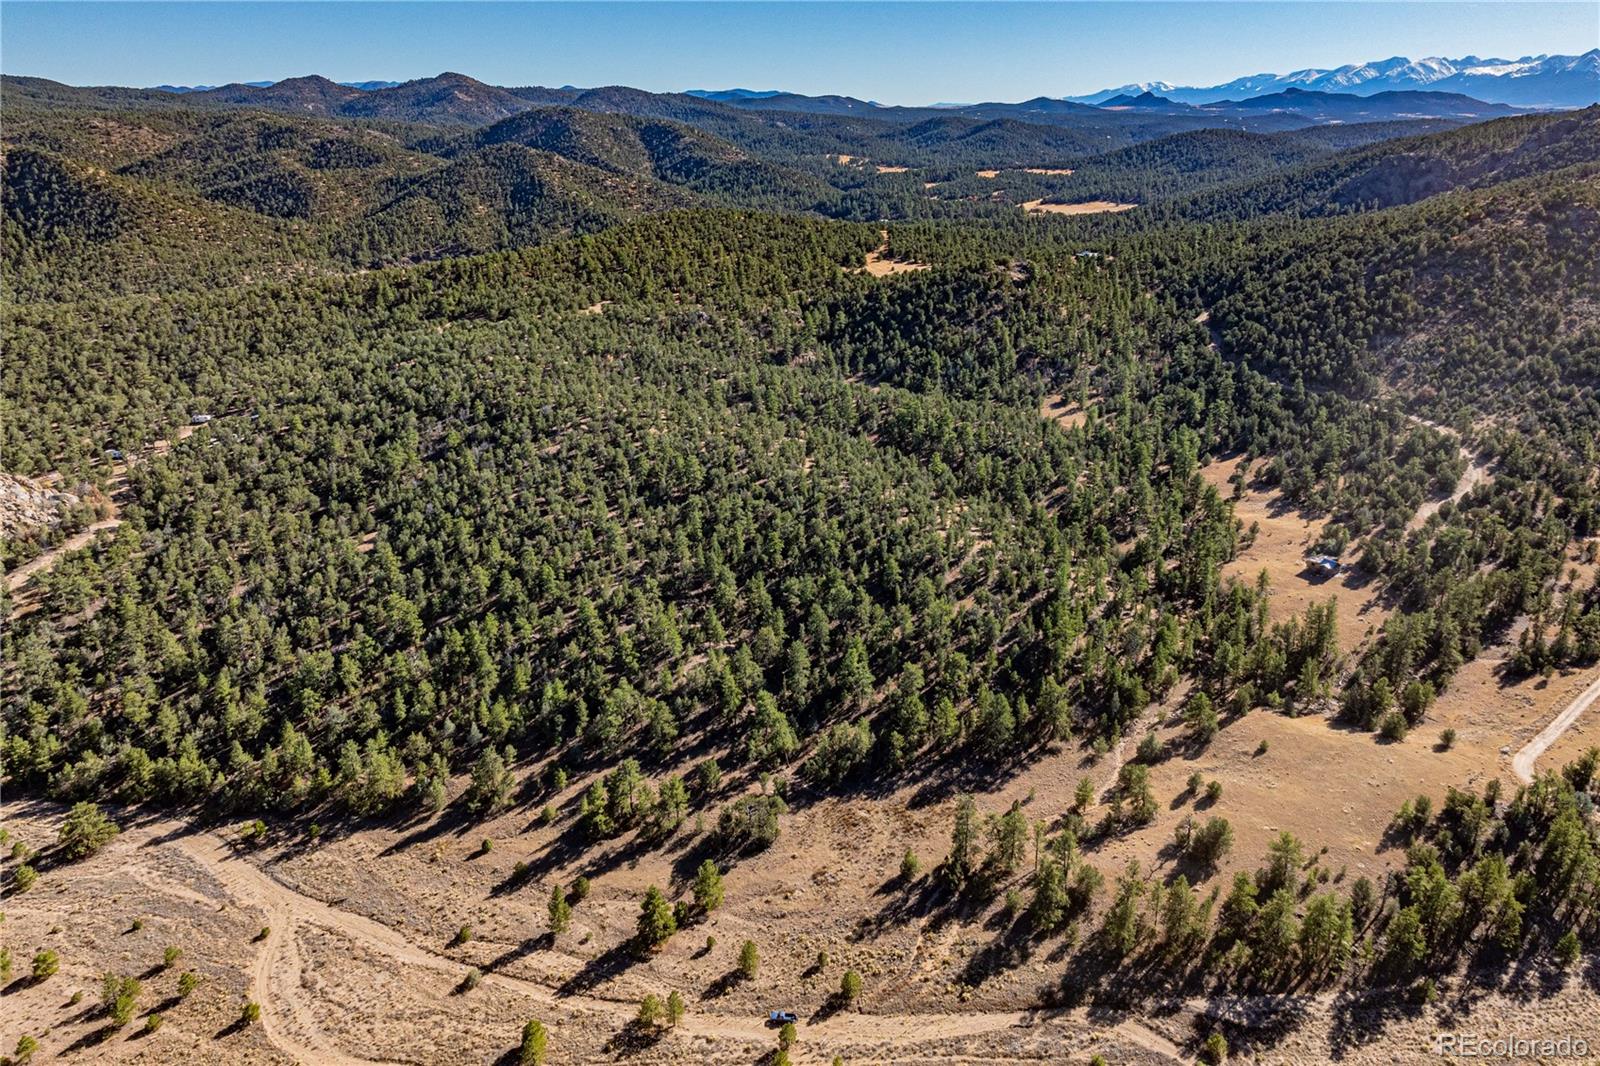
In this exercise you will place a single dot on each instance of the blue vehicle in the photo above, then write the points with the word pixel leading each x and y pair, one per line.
pixel 779 1017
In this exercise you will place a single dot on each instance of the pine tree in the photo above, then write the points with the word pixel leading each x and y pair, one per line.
pixel 650 1010
pixel 560 911
pixel 708 886
pixel 85 831
pixel 534 1041
pixel 1122 920
pixel 963 840
pixel 1010 832
pixel 855 676
pixel 1049 904
pixel 656 922
pixel 490 788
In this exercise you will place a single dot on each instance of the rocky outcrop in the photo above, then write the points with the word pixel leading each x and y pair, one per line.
pixel 28 506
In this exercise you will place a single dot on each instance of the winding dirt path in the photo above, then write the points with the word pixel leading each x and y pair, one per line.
pixel 46 561
pixel 1477 473
pixel 1522 762
pixel 116 487
pixel 277 974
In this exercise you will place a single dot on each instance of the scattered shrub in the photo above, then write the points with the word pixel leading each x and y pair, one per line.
pixel 85 831
pixel 534 1039
pixel 45 963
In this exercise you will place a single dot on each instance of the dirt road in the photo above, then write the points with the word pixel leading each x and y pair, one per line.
pixel 44 562
pixel 1522 762
pixel 116 490
pixel 1477 473
pixel 288 1017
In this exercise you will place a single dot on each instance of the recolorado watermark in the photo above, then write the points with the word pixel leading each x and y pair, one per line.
pixel 1476 1046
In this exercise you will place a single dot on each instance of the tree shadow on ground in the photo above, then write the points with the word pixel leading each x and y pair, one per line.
pixel 93 1038
pixel 600 969
pixel 927 899
pixel 165 1005
pixel 1255 1027
pixel 512 881
pixel 635 1038
pixel 1010 949
pixel 1360 1021
pixel 238 1025
pixel 453 820
pixel 834 1004
pixel 541 942
pixel 722 985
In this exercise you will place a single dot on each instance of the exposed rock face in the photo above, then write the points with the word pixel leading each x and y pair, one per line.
pixel 27 506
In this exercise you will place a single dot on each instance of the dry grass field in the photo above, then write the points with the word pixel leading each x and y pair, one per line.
pixel 880 265
pixel 359 962
pixel 1088 207
pixel 1281 540
pixel 1062 411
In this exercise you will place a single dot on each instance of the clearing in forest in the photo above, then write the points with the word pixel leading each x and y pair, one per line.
pixel 1284 536
pixel 879 265
pixel 1088 207
pixel 1062 411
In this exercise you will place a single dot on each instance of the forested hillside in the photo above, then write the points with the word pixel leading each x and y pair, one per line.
pixel 439 465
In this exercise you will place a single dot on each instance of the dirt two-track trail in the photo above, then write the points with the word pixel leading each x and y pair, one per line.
pixel 289 1020
pixel 116 494
pixel 1522 762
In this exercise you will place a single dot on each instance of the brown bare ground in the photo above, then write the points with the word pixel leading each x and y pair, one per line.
pixel 1048 170
pixel 878 265
pixel 356 966
pixel 988 173
pixel 1063 412
pixel 1088 207
pixel 1284 536
pixel 882 169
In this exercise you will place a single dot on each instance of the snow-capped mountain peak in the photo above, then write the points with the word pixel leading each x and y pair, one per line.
pixel 1531 81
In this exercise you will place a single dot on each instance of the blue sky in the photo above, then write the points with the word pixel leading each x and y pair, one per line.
pixel 905 53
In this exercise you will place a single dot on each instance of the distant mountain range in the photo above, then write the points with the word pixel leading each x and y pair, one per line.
pixel 1323 106
pixel 728 95
pixel 1556 81
pixel 366 85
pixel 1532 81
pixel 456 99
